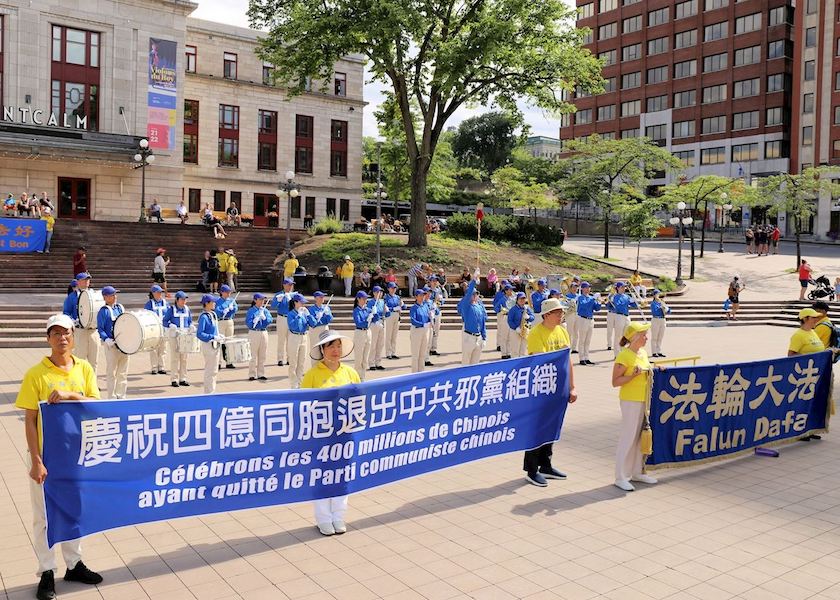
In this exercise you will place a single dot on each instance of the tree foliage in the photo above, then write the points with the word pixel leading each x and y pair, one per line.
pixel 486 141
pixel 438 54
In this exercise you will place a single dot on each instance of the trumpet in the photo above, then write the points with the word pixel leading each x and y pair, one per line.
pixel 524 327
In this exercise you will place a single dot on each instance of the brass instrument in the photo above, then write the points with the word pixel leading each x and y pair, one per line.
pixel 640 302
pixel 524 326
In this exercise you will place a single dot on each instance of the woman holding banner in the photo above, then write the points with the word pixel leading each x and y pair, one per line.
pixel 329 372
pixel 631 373
pixel 806 341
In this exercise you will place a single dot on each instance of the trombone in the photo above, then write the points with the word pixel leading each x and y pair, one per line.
pixel 640 302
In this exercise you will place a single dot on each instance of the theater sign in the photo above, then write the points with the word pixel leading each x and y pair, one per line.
pixel 21 115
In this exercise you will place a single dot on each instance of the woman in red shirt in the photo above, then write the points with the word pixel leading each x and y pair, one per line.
pixel 804 278
pixel 80 261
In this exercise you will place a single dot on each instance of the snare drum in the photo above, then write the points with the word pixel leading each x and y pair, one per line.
pixel 90 301
pixel 137 331
pixel 187 342
pixel 237 349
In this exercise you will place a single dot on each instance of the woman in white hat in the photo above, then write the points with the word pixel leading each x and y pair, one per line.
pixel 328 371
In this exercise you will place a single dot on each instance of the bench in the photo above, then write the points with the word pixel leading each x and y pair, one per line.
pixel 165 213
pixel 222 216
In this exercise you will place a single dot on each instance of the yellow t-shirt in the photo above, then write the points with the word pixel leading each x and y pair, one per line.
pixel 320 376
pixel 45 377
pixel 805 342
pixel 289 267
pixel 347 269
pixel 543 339
pixel 50 221
pixel 232 265
pixel 823 330
pixel 223 261
pixel 636 389
pixel 635 280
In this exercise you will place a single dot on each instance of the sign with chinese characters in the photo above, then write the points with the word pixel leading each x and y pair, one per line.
pixel 117 463
pixel 162 94
pixel 22 235
pixel 699 413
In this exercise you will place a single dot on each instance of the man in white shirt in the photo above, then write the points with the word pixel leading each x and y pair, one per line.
pixel 182 212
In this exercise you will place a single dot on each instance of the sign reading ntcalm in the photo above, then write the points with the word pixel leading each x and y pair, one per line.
pixel 27 116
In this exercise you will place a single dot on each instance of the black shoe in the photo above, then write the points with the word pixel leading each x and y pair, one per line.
pixel 434 353
pixel 583 362
pixel 814 436
pixel 536 479
pixel 161 372
pixel 82 574
pixel 279 363
pixel 428 363
pixel 371 368
pixel 230 367
pixel 252 379
pixel 505 356
pixel 379 368
pixel 589 362
pixel 154 372
pixel 46 587
pixel 661 355
pixel 174 384
pixel 263 378
pixel 552 473
pixel 574 351
pixel 498 348
pixel 609 347
pixel 186 383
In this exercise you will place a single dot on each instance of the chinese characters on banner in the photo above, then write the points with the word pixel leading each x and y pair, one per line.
pixel 162 94
pixel 707 412
pixel 121 463
pixel 22 235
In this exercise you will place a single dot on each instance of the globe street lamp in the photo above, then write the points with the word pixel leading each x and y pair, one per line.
pixel 679 220
pixel 380 193
pixel 292 190
pixel 723 209
pixel 144 157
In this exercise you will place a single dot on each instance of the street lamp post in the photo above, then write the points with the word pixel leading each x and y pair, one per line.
pixel 380 193
pixel 679 219
pixel 292 190
pixel 724 207
pixel 143 158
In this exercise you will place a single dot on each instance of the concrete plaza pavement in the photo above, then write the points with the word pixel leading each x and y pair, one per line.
pixel 750 528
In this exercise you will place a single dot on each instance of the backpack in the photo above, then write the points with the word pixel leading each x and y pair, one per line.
pixel 834 336
pixel 213 263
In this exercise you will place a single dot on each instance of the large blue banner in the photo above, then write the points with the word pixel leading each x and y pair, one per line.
pixel 715 411
pixel 22 235
pixel 116 463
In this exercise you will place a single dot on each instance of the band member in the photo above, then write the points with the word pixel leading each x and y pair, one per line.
pixel 502 303
pixel 519 318
pixel 437 298
pixel 548 336
pixel 587 306
pixel 211 340
pixel 571 313
pixel 330 372
pixel 362 317
pixel 87 340
pixel 116 363
pixel 257 319
pixel 622 303
pixel 299 322
pixel 395 305
pixel 158 305
pixel 377 329
pixel 658 312
pixel 72 300
pixel 322 314
pixel 555 293
pixel 280 303
pixel 178 318
pixel 226 309
pixel 59 377
pixel 427 300
pixel 537 298
pixel 474 315
pixel 420 324
pixel 610 318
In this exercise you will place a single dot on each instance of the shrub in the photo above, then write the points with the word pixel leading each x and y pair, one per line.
pixel 510 229
pixel 328 224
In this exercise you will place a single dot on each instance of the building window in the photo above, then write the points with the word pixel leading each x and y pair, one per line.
pixel 583 117
pixel 716 31
pixel 657 46
pixel 657 133
pixel 714 93
pixel 75 75
pixel 295 207
pixel 338 148
pixel 586 10
pixel 807 103
pixel 228 135
pixel 631 108
pixel 747 56
pixel 745 88
pixel 657 103
pixel 776 149
pixel 810 37
pixel 656 17
pixel 608 57
pixel 609 84
pixel 713 156
pixel 230 65
pixel 607 31
pixel 775 116
pixel 629 133
pixel 331 208
pixel 810 7
pixel 657 75
pixel 588 37
pixel 191 131
pixel 304 136
pixel 685 9
pixel 631 80
pixel 683 129
pixel 609 135
pixel 631 24
pixel 345 210
pixel 837 81
pixel 267 140
pixel 194 200
pixel 715 4
pixel 340 84
pixel 837 115
pixel 236 197
pixel 686 157
pixel 748 23
pixel 629 2
pixel 192 59
pixel 685 39
pixel 745 120
pixel 777 82
pixel 780 15
pixel 744 152
pixel 268 75
pixel 807 135
pixel 776 49
pixel 605 113
pixel 714 124
pixel 686 68
pixel 219 200
pixel 309 207
pixel 632 52
pixel 835 149
pixel 607 5
pixel 715 62
pixel 683 99
pixel 810 70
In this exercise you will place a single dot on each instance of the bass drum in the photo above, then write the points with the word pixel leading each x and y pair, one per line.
pixel 90 301
pixel 137 331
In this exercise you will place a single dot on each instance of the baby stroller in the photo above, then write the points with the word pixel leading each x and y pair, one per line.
pixel 822 290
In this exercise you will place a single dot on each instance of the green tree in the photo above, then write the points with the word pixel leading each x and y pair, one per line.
pixel 796 196
pixel 511 184
pixel 438 53
pixel 608 172
pixel 639 220
pixel 486 141
pixel 535 168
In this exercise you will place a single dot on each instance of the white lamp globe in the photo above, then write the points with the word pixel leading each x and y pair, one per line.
pixel 138 158
pixel 680 205
pixel 150 159
pixel 144 143
pixel 687 221
pixel 674 220
pixel 294 193
pixel 290 175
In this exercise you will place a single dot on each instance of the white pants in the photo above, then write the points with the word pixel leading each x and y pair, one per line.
pixel 87 346
pixel 348 286
pixel 116 373
pixel 619 322
pixel 298 349
pixel 585 327
pixel 628 455
pixel 226 330
pixel 71 551
pixel 642 290
pixel 178 362
pixel 259 345
pixel 282 338
pixel 157 356
pixel 419 345
pixel 572 328
pixel 471 347
pixel 315 335
pixel 392 328
pixel 211 365
pixel 502 333
pixel 657 332
pixel 377 343
pixel 330 510
pixel 412 284
pixel 429 335
pixel 517 345
pixel 436 320
pixel 361 351
pixel 610 329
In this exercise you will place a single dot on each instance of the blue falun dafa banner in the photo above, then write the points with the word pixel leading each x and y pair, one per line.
pixel 710 412
pixel 22 235
pixel 117 463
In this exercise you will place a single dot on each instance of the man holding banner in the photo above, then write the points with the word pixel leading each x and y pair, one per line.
pixel 60 377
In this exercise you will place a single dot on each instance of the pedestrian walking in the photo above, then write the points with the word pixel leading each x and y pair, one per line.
pixel 804 278
pixel 159 269
pixel 733 294
pixel 345 271
pixel 50 224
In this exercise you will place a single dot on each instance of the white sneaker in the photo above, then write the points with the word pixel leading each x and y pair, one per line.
pixel 624 485
pixel 326 528
pixel 644 479
pixel 340 526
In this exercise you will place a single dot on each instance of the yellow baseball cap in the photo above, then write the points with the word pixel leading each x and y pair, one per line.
pixel 633 328
pixel 808 312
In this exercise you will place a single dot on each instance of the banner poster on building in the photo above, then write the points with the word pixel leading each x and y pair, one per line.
pixel 117 463
pixel 162 94
pixel 717 411
pixel 22 235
